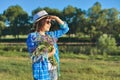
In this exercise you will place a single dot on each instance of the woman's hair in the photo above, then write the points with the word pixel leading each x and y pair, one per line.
pixel 38 25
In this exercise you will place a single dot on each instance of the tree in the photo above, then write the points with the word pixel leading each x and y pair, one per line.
pixel 104 21
pixel 16 17
pixel 21 23
pixel 2 17
pixel 75 18
pixel 79 21
pixel 2 24
pixel 113 21
pixel 94 19
pixel 68 14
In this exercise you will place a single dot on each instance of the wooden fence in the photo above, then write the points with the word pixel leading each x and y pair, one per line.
pixel 60 44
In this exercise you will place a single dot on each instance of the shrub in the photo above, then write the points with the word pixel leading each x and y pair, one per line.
pixel 107 44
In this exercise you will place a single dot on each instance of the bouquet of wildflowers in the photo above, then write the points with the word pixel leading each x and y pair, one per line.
pixel 45 45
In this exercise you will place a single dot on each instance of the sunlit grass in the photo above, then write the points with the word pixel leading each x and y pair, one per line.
pixel 17 66
pixel 90 70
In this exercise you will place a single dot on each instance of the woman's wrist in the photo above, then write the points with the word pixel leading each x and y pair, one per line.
pixel 59 21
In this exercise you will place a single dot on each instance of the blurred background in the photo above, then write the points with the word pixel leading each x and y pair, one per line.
pixel 92 44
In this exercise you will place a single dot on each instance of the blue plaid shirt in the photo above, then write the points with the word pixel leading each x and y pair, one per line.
pixel 31 45
pixel 40 70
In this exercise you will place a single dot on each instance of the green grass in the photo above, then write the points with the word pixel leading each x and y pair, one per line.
pixel 12 68
pixel 90 70
pixel 17 66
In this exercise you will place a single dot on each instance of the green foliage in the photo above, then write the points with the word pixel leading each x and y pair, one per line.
pixel 2 17
pixel 69 11
pixel 12 12
pixel 17 19
pixel 64 48
pixel 2 26
pixel 107 44
pixel 93 22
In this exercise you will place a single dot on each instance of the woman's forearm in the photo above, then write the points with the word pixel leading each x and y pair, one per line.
pixel 57 19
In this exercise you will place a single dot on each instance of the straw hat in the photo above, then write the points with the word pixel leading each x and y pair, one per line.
pixel 40 15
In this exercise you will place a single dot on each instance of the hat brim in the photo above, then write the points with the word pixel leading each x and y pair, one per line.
pixel 41 18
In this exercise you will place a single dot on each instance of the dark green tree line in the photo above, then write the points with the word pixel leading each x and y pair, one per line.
pixel 94 22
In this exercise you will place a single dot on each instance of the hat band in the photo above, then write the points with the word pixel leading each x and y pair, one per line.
pixel 41 17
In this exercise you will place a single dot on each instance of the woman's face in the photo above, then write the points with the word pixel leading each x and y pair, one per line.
pixel 47 25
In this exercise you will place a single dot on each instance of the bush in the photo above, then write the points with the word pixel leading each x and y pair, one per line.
pixel 107 44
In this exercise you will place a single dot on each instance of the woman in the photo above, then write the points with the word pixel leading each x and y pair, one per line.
pixel 41 66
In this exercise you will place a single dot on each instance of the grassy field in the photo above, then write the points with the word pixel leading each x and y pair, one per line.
pixel 17 66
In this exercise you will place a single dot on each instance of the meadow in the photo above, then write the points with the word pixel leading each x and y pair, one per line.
pixel 16 65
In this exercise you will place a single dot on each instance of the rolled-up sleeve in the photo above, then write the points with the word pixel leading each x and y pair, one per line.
pixel 63 30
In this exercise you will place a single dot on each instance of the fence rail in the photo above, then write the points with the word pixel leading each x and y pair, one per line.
pixel 59 43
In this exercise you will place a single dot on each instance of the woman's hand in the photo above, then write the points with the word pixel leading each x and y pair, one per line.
pixel 57 19
pixel 52 52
